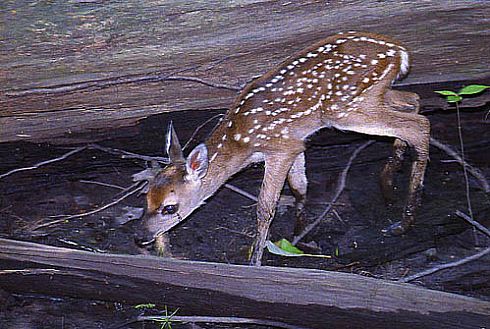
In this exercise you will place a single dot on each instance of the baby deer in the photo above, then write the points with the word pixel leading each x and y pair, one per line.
pixel 343 82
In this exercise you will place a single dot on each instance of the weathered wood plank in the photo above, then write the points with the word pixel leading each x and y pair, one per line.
pixel 319 298
pixel 74 66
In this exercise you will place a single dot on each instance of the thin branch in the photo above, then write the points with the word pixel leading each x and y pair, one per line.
pixel 241 192
pixel 123 192
pixel 200 127
pixel 110 204
pixel 43 163
pixel 472 170
pixel 216 319
pixel 340 187
pixel 80 246
pixel 127 155
pixel 101 184
pixel 445 266
pixel 473 222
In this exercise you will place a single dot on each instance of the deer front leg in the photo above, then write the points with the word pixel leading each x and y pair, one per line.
pixel 276 171
pixel 298 184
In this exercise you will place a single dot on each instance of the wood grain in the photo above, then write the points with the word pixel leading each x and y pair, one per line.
pixel 72 66
pixel 313 298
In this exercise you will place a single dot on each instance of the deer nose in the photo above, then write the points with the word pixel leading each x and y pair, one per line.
pixel 143 240
pixel 141 235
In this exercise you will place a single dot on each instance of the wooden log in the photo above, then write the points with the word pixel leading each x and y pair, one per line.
pixel 312 298
pixel 75 66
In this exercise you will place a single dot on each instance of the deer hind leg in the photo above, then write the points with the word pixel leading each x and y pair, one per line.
pixel 410 128
pixel 276 171
pixel 298 184
pixel 404 102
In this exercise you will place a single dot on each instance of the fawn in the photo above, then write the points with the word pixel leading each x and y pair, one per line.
pixel 342 82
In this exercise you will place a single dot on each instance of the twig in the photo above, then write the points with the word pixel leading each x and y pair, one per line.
pixel 337 215
pixel 473 222
pixel 241 192
pixel 101 184
pixel 144 183
pixel 80 246
pixel 199 128
pixel 248 235
pixel 445 266
pixel 6 208
pixel 472 170
pixel 340 187
pixel 110 204
pixel 43 163
pixel 127 155
pixel 216 319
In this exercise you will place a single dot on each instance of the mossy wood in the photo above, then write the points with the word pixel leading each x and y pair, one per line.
pixel 74 66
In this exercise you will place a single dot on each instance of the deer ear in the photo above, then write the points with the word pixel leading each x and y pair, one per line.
pixel 197 162
pixel 172 147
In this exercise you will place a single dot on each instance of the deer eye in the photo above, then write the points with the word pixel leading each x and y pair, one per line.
pixel 170 209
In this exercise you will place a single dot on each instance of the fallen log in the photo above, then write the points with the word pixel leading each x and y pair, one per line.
pixel 73 67
pixel 310 298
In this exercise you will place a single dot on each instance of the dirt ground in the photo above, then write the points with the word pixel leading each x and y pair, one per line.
pixel 223 229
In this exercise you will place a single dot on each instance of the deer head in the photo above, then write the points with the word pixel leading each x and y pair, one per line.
pixel 175 192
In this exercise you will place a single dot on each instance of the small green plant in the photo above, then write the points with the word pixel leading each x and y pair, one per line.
pixel 455 97
pixel 166 320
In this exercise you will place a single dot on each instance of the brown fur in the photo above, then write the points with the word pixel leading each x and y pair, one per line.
pixel 343 82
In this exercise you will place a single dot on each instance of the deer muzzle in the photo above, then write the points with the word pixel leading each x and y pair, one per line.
pixel 151 226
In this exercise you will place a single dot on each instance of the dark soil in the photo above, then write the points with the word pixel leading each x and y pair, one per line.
pixel 222 230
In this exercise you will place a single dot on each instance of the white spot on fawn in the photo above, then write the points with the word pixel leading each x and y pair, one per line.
pixel 391 52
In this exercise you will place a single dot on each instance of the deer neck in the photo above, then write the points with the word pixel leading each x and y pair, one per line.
pixel 226 158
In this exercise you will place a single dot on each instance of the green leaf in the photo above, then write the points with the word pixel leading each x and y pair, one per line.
pixel 446 92
pixel 288 247
pixel 141 306
pixel 473 89
pixel 454 99
pixel 273 249
pixel 276 250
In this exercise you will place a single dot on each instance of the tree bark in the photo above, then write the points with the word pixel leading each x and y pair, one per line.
pixel 74 66
pixel 310 298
